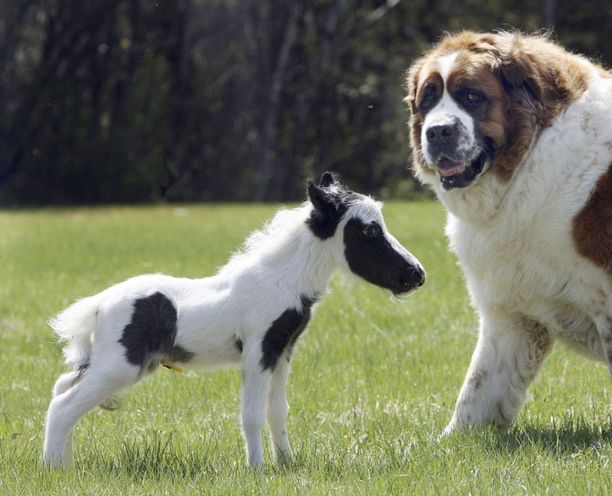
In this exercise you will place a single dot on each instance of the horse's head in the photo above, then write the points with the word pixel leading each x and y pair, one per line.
pixel 369 249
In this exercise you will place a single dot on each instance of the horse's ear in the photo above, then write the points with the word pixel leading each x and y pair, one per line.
pixel 327 179
pixel 327 210
pixel 321 200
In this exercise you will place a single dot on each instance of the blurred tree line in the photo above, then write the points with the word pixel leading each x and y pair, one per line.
pixel 140 100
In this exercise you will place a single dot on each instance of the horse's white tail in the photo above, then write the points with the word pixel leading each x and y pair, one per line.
pixel 76 325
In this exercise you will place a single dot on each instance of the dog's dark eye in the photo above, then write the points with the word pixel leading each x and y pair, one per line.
pixel 370 231
pixel 472 99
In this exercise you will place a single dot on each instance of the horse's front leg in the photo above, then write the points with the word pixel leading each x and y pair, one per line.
pixel 255 387
pixel 278 408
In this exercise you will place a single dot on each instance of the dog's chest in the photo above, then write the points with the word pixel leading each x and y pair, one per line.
pixel 512 267
pixel 536 273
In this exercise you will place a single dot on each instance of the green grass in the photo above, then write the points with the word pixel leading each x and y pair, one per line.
pixel 373 383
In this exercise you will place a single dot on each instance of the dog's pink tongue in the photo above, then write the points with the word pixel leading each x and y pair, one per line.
pixel 450 168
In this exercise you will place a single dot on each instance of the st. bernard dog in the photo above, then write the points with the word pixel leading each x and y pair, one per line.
pixel 514 134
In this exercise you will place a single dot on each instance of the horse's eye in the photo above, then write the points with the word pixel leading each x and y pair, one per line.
pixel 370 231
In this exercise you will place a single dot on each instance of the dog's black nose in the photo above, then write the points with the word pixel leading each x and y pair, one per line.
pixel 441 134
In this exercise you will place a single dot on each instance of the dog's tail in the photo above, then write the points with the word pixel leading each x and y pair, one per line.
pixel 76 325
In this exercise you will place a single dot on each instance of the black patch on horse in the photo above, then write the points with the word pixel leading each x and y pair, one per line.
pixel 323 223
pixel 152 331
pixel 370 255
pixel 284 332
pixel 329 204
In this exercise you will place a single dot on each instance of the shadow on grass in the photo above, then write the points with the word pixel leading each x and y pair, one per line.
pixel 563 437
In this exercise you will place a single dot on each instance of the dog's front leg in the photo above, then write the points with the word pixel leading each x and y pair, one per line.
pixel 604 328
pixel 255 387
pixel 509 354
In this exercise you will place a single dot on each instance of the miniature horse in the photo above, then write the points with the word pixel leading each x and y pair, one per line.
pixel 251 313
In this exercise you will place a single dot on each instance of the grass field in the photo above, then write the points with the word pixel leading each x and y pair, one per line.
pixel 373 382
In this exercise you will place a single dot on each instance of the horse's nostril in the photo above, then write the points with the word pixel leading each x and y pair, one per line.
pixel 412 276
pixel 420 276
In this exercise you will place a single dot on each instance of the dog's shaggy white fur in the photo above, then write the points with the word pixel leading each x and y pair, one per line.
pixel 514 134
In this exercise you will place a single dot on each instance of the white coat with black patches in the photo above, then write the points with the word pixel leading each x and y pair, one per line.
pixel 249 314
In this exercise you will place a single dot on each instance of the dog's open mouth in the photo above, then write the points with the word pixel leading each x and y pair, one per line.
pixel 448 168
pixel 460 174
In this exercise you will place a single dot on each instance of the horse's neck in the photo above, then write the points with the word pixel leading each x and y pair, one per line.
pixel 303 264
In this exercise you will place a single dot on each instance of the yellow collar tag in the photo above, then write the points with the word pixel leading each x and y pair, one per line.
pixel 170 365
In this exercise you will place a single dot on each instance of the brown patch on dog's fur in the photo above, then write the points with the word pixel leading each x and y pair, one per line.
pixel 541 80
pixel 420 73
pixel 474 71
pixel 592 228
pixel 529 80
pixel 433 78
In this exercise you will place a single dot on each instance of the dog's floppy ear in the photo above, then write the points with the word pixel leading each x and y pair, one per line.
pixel 412 81
pixel 516 74
pixel 517 69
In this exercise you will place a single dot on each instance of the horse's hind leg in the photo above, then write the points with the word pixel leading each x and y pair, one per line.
pixel 66 381
pixel 63 384
pixel 73 402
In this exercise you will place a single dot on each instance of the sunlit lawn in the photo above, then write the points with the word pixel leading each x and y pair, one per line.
pixel 373 383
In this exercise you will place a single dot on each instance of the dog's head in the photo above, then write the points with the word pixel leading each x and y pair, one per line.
pixel 478 102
